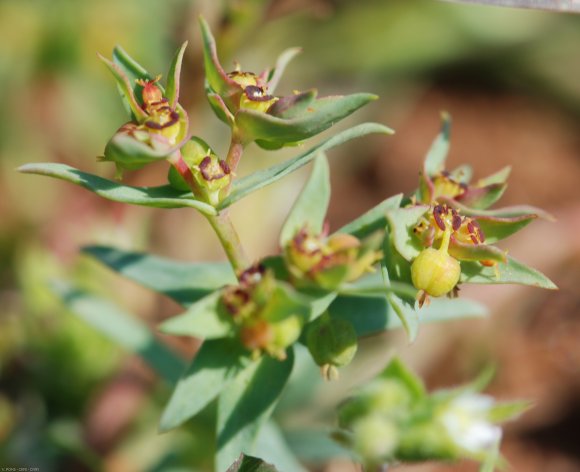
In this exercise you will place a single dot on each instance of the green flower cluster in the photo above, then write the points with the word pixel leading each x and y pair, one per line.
pixel 393 419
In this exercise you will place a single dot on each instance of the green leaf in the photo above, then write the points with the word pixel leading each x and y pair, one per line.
pixel 281 63
pixel 322 114
pixel 130 67
pixel 482 197
pixel 293 106
pixel 126 330
pixel 401 222
pixel 246 463
pixel 214 72
pixel 262 178
pixel 435 159
pixel 247 404
pixel 496 229
pixel 271 446
pixel 203 319
pixel 310 207
pixel 184 282
pixel 404 307
pixel 407 314
pixel 316 447
pixel 499 177
pixel 172 91
pixel 320 300
pixel 126 89
pixel 515 211
pixel 372 314
pixel 159 197
pixel 220 109
pixel 373 219
pixel 213 368
pixel 476 252
pixel 398 371
pixel 511 272
pixel 504 411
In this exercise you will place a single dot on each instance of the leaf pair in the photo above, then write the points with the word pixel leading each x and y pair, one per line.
pixel 243 100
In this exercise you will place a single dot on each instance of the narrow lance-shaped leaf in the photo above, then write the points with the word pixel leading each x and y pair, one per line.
pixel 214 72
pixel 435 159
pixel 126 89
pixel 504 411
pixel 172 90
pixel 184 282
pixel 204 319
pixel 482 197
pixel 310 207
pixel 281 63
pixel 213 368
pixel 399 371
pixel 247 404
pixel 257 180
pixel 499 177
pixel 159 197
pixel 496 229
pixel 511 272
pixel 515 211
pixel 130 67
pixel 404 309
pixel 219 107
pixel 124 329
pixel 322 114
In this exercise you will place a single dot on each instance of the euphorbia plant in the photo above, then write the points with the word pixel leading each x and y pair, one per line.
pixel 323 290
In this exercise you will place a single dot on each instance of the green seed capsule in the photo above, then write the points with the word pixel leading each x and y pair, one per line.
pixel 332 342
pixel 435 272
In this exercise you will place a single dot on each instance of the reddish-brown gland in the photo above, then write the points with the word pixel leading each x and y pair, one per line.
pixel 213 169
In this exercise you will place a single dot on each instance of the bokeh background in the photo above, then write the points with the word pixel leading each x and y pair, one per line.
pixel 71 400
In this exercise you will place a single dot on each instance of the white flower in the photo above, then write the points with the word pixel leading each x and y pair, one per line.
pixel 466 422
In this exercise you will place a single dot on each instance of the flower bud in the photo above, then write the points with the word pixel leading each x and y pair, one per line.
pixel 328 262
pixel 332 342
pixel 208 174
pixel 268 319
pixel 375 439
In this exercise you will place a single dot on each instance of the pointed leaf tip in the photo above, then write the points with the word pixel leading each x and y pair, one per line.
pixel 172 92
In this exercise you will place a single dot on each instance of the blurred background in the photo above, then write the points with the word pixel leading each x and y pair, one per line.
pixel 71 400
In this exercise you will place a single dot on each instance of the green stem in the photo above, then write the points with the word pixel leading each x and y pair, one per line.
pixel 399 288
pixel 230 240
